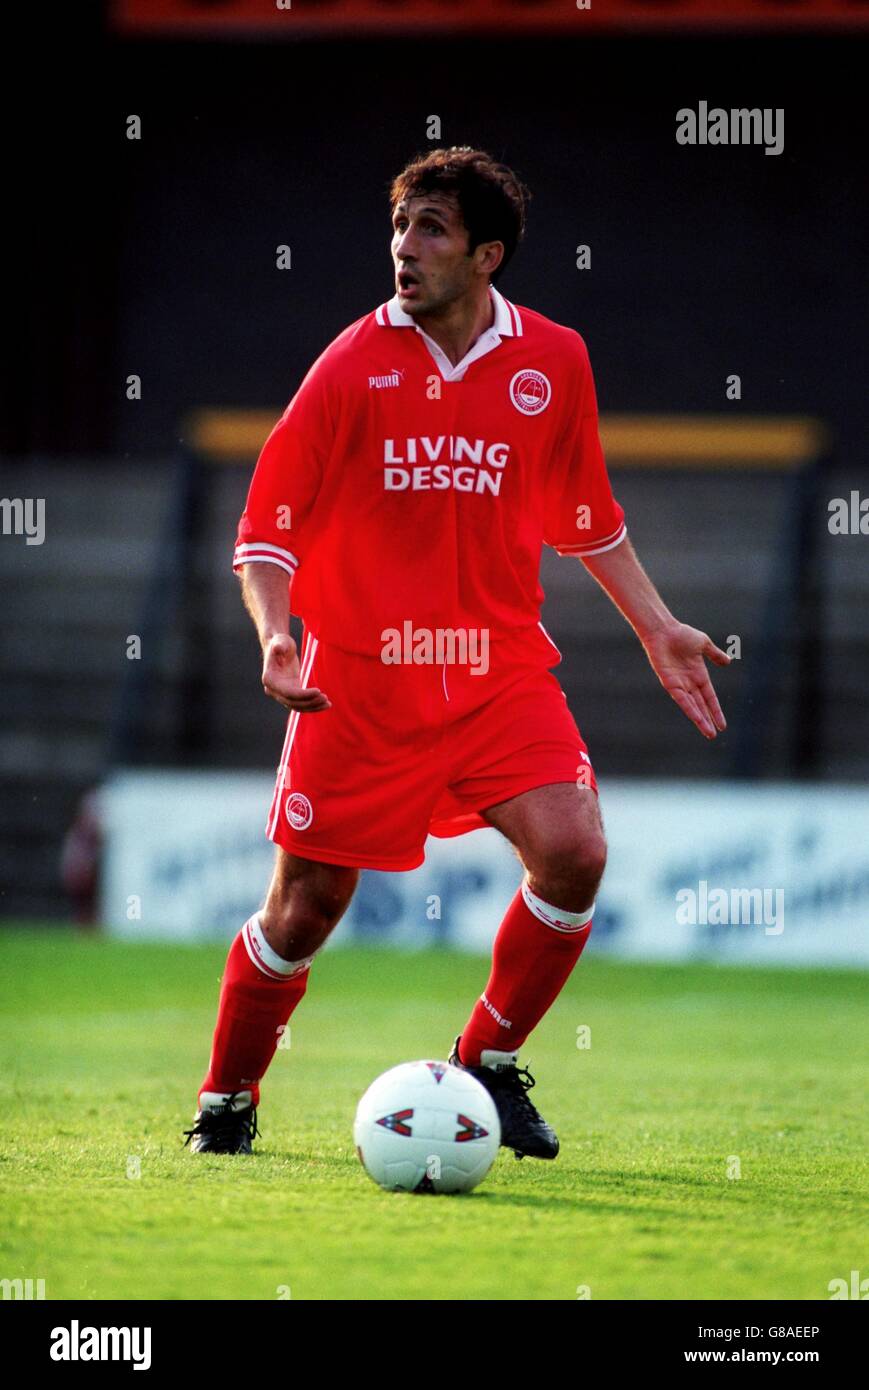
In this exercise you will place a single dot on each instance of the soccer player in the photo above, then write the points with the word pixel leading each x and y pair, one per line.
pixel 399 506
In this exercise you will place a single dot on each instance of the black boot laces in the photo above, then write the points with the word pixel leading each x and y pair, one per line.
pixel 225 1124
pixel 516 1081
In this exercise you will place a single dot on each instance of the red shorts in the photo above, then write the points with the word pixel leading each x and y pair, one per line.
pixel 411 750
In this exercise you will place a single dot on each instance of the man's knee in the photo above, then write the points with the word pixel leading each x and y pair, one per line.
pixel 305 902
pixel 574 861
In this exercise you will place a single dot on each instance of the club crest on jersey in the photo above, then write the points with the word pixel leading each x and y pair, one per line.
pixel 299 811
pixel 530 391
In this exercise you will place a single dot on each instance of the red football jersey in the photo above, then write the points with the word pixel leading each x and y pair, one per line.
pixel 399 488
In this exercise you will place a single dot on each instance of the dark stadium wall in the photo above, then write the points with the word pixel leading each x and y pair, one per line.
pixel 705 261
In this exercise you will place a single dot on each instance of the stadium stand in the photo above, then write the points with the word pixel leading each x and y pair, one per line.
pixel 723 544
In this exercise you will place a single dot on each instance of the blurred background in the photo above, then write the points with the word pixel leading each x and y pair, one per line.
pixel 152 340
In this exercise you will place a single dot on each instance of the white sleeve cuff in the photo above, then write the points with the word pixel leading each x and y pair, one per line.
pixel 261 552
pixel 595 547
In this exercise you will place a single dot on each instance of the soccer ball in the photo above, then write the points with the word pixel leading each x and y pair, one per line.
pixel 426 1127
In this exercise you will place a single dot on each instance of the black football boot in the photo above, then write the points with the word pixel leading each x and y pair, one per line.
pixel 226 1125
pixel 523 1129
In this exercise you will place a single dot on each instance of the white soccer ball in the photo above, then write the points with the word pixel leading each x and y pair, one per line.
pixel 426 1127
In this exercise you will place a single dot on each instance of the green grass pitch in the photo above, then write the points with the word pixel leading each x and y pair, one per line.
pixel 694 1074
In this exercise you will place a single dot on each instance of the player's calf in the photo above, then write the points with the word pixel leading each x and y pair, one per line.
pixel 305 902
pixel 265 978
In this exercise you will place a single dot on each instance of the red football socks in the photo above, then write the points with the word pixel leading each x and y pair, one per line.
pixel 258 994
pixel 535 950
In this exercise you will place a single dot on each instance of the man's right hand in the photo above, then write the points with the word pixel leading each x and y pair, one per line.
pixel 282 677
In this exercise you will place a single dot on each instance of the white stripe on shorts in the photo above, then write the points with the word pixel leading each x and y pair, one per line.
pixel 309 651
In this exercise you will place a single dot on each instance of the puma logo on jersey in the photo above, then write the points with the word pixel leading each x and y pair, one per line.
pixel 392 378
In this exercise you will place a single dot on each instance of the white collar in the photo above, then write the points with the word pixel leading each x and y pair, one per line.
pixel 506 324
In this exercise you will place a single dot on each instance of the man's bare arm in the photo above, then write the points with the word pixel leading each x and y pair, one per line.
pixel 266 595
pixel 676 651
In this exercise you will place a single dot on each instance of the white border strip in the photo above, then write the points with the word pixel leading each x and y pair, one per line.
pixel 253 551
pixel 594 550
pixel 308 653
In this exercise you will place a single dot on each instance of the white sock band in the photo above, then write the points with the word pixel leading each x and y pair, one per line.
pixel 555 916
pixel 264 957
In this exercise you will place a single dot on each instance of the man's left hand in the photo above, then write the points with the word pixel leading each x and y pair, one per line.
pixel 676 653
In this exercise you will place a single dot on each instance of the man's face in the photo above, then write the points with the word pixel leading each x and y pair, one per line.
pixel 433 267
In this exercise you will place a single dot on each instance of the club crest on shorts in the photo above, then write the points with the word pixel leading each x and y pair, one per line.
pixel 299 811
pixel 530 391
